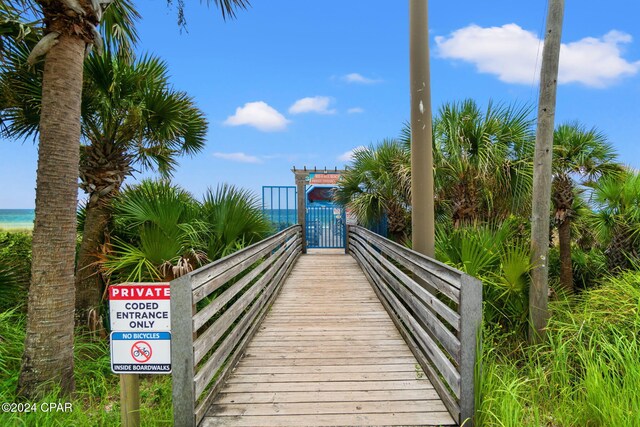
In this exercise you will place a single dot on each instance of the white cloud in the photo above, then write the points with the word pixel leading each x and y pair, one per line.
pixel 260 115
pixel 355 110
pixel 348 156
pixel 316 104
pixel 515 55
pixel 237 157
pixel 359 78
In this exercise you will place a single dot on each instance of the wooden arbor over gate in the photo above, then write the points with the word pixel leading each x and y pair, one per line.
pixel 303 178
pixel 217 310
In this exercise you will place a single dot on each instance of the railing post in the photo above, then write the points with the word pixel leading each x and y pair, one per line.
pixel 301 201
pixel 184 394
pixel 346 238
pixel 470 323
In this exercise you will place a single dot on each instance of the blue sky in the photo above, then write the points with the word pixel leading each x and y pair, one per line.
pixel 303 83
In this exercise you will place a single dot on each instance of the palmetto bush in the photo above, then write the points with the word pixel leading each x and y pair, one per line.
pixel 233 219
pixel 616 220
pixel 588 267
pixel 497 254
pixel 483 161
pixel 162 232
pixel 155 223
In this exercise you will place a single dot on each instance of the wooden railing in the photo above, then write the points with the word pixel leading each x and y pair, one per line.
pixel 436 308
pixel 215 311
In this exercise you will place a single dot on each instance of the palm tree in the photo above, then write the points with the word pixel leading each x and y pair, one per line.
pixel 578 154
pixel 377 184
pixel 483 161
pixel 48 356
pixel 130 117
pixel 616 221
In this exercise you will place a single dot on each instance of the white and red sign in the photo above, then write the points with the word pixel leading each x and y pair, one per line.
pixel 141 352
pixel 140 307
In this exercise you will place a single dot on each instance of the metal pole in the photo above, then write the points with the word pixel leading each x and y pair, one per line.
pixel 538 292
pixel 422 205
pixel 280 208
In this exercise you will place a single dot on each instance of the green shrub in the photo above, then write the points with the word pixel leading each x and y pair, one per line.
pixel 589 266
pixel 498 255
pixel 15 269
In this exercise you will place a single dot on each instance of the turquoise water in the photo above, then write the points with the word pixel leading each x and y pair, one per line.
pixel 281 218
pixel 16 218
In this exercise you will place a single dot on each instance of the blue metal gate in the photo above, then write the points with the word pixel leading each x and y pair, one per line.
pixel 326 227
pixel 279 205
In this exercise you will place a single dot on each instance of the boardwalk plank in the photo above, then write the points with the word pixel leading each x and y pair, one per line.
pixel 314 408
pixel 402 367
pixel 324 376
pixel 328 386
pixel 351 419
pixel 329 396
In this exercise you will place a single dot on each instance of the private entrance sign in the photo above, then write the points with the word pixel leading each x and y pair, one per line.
pixel 140 324
pixel 139 307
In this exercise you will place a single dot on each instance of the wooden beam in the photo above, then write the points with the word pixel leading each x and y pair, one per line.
pixel 183 390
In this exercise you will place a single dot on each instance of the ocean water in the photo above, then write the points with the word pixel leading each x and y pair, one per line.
pixel 281 218
pixel 11 219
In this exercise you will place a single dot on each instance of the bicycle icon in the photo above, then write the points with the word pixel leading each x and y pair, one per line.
pixel 141 351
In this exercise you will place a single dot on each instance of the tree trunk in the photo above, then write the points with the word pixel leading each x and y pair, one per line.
pixel 566 271
pixel 48 352
pixel 88 280
pixel 563 198
pixel 103 169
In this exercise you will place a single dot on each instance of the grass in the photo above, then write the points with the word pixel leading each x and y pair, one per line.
pixel 96 401
pixel 18 229
pixel 586 374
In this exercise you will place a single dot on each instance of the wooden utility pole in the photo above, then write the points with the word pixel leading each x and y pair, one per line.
pixel 542 176
pixel 422 209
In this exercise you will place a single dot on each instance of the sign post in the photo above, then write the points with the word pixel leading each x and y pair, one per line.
pixel 140 340
pixel 130 400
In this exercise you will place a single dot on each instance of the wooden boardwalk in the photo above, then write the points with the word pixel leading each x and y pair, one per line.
pixel 327 354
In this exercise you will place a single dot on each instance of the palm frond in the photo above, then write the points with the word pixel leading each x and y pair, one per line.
pixel 234 218
pixel 119 27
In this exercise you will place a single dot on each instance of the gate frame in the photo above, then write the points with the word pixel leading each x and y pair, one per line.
pixel 343 231
pixel 302 179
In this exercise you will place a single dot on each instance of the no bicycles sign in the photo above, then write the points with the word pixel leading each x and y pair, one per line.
pixel 141 352
pixel 140 323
